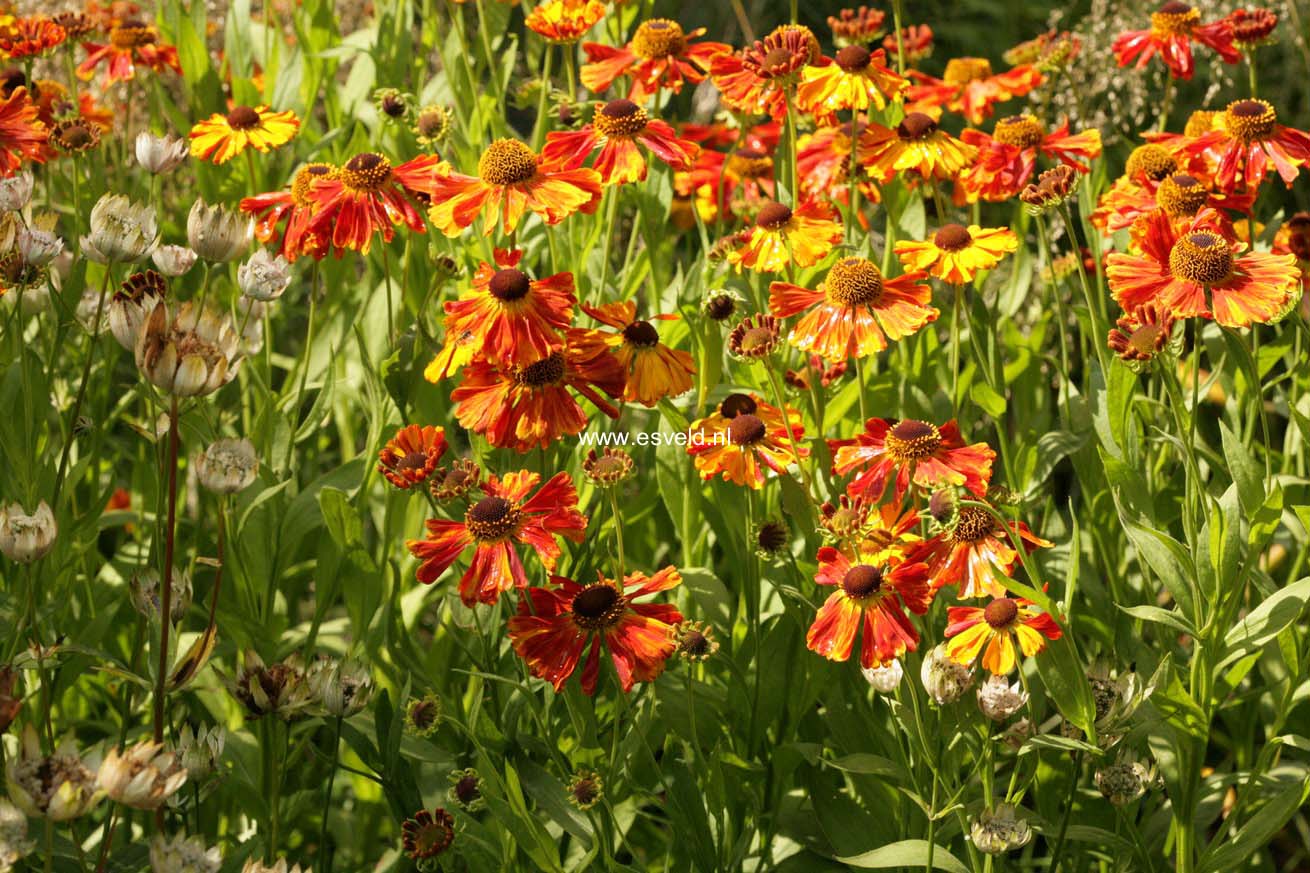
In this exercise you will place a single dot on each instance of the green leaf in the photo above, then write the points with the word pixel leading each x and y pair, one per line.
pixel 1225 853
pixel 1246 476
pixel 1264 622
pixel 866 764
pixel 1168 617
pixel 906 853
pixel 987 400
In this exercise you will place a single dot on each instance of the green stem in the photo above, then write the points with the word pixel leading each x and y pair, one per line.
pixel 324 856
pixel 166 585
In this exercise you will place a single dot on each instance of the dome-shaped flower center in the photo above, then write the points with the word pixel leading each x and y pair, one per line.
pixel 620 118
pixel 1250 120
pixel 641 334
pixel 783 52
pixel 1298 235
pixel 961 71
pixel 1020 131
pixel 74 136
pixel 659 38
pixel 773 216
pixel 432 121
pixel 737 404
pixel 509 285
pixel 1147 340
pixel 771 536
pixel 366 172
pixel 1175 19
pixel 952 238
pixel 507 162
pixel 912 440
pixel 853 58
pixel 242 118
pixel 131 34
pixel 861 581
pixel 750 164
pixel 1199 122
pixel 854 282
pixel 745 429
pixel 1001 612
pixel 1152 161
pixel 916 126
pixel 415 460
pixel 491 518
pixel 1202 257
pixel 138 285
pixel 548 371
pixel 597 606
pixel 303 182
pixel 466 789
pixel 972 525
pixel 1181 195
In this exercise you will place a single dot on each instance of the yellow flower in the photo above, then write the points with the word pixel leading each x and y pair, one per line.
pixel 956 254
pixel 220 138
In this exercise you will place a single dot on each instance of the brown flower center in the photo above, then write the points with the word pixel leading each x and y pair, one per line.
pixel 1250 120
pixel 659 38
pixel 745 429
pixel 1181 195
pixel 737 404
pixel 302 183
pixel 491 518
pixel 952 238
pixel 749 164
pixel 861 581
pixel 242 118
pixel 75 136
pixel 1175 19
pixel 641 334
pixel 853 58
pixel 854 282
pixel 368 171
pixel 597 607
pixel 130 35
pixel 548 371
pixel 415 460
pixel 509 285
pixel 972 525
pixel 1202 257
pixel 620 118
pixel 773 216
pixel 1001 613
pixel 916 126
pixel 1020 131
pixel 507 162
pixel 912 440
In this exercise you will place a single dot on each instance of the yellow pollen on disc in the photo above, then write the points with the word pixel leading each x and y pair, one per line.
pixel 507 162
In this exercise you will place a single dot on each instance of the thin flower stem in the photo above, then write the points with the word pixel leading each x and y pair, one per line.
pixel 900 37
pixel 618 533
pixel 324 856
pixel 1166 102
pixel 957 301
pixel 166 585
pixel 1057 854
pixel 81 388
pixel 859 375
pixel 791 438
pixel 539 128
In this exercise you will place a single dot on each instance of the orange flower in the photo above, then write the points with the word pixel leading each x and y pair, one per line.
pixel 1180 196
pixel 510 182
pixel 367 196
pixel 975 555
pixel 870 593
pixel 741 436
pixel 296 205
pixel 757 80
pixel 130 43
pixel 409 458
pixel 1177 271
pixel 564 21
pixel 914 451
pixel 956 253
pixel 30 37
pixel 1251 142
pixel 916 42
pixel 652 370
pixel 1142 333
pixel 743 178
pixel 855 79
pixel 220 138
pixel 510 318
pixel 529 406
pixel 823 160
pixel 781 237
pixel 617 128
pixel 915 144
pixel 22 136
pixel 554 626
pixel 500 520
pixel 969 88
pixel 659 55
pixel 990 630
pixel 1007 159
pixel 1173 27
pixel 854 311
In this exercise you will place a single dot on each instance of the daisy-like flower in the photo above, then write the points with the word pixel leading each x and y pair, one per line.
pixel 410 457
pixel 1008 158
pixel 501 520
pixel 912 451
pixel 1252 28
pixel 955 253
pixel 782 236
pixel 915 144
pixel 854 311
pixel 915 41
pixel 511 181
pixel 660 55
pixel 222 137
pixel 856 26
pixel 758 79
pixel 616 130
pixel 651 369
pixel 522 407
pixel 823 160
pixel 564 21
pixel 873 595
pixel 506 317
pixel 73 136
pixel 975 554
pixel 968 87
pixel 1138 336
pixel 742 177
pixel 427 834
pixel 990 631
pixel 742 438
pixel 585 789
pixel 22 136
pixel 1174 26
pixel 296 206
pixel 1251 142
pixel 30 37
pixel 367 197
pixel 555 626
pixel 1198 272
pixel 130 43
pixel 854 79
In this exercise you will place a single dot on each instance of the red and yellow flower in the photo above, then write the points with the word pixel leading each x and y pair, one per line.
pixel 1177 270
pixel 30 37
pixel 871 594
pixel 564 21
pixel 1007 159
pixel 615 132
pixel 220 137
pixel 409 457
pixel 660 55
pixel 1250 143
pixel 911 451
pixel 782 236
pixel 511 181
pixel 855 79
pixel 854 311
pixel 968 87
pixel 916 144
pixel 368 196
pixel 22 135
pixel 130 43
pixel 296 206
pixel 555 626
pixel 975 554
pixel 990 631
pixel 742 438
pixel 1174 26
pixel 758 79
pixel 502 519
pixel 956 254
pixel 651 369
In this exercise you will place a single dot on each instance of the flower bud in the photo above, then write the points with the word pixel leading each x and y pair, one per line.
pixel 121 231
pixel 999 700
pixel 342 687
pixel 264 276
pixel 25 538
pixel 16 192
pixel 278 689
pixel 145 594
pixel 228 466
pixel 189 355
pixel 160 154
pixel 999 830
pixel 1124 781
pixel 886 678
pixel 174 261
pixel 943 679
pixel 200 750
pixel 218 234
pixel 14 842
pixel 138 296
pixel 143 777
pixel 38 247
pixel 60 786
pixel 183 854
pixel 255 865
